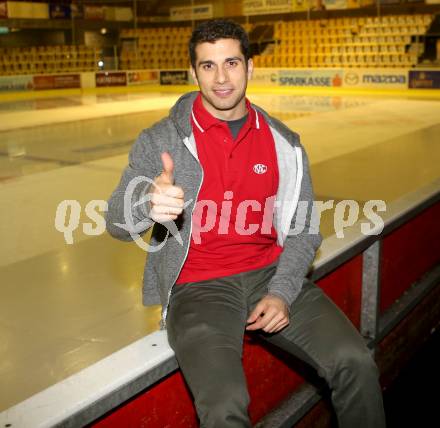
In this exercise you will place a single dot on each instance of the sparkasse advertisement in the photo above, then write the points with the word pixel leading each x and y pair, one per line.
pixel 311 78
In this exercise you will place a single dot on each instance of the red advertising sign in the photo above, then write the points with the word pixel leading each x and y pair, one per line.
pixel 111 78
pixel 57 81
pixel 143 77
pixel 173 77
pixel 3 9
pixel 424 79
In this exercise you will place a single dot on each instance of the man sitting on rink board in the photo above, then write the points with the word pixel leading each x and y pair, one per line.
pixel 231 183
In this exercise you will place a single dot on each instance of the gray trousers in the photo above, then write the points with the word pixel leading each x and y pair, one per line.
pixel 206 323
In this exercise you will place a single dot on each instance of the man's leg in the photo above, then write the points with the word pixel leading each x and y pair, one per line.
pixel 205 326
pixel 321 334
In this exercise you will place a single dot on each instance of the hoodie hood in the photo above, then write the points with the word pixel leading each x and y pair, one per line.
pixel 180 113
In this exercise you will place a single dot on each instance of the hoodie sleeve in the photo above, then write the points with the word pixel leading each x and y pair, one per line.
pixel 299 249
pixel 124 218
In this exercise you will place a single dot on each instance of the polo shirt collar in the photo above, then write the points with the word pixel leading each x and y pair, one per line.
pixel 205 120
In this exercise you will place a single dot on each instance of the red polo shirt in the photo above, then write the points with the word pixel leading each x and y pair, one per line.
pixel 232 228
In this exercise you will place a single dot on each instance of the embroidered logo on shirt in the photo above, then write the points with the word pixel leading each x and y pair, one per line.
pixel 259 168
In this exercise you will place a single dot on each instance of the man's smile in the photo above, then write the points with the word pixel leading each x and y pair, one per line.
pixel 223 93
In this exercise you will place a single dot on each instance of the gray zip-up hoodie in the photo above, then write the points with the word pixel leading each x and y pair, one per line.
pixel 295 221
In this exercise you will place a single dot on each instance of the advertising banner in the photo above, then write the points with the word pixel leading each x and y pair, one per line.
pixel 335 4
pixel 94 12
pixel 111 78
pixel 264 77
pixel 19 9
pixel 28 9
pixel 118 13
pixel 310 78
pixel 40 10
pixel 3 10
pixel 16 83
pixel 123 14
pixel 302 5
pixel 57 81
pixel 262 7
pixel 188 13
pixel 59 11
pixel 385 78
pixel 191 81
pixel 424 79
pixel 173 77
pixel 144 77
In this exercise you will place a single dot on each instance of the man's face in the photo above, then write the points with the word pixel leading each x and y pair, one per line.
pixel 222 76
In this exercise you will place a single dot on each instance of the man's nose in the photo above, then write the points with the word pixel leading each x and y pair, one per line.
pixel 221 75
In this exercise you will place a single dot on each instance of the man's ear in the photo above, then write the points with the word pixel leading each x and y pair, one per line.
pixel 250 68
pixel 194 75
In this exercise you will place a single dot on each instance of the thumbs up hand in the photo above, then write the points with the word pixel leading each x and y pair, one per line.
pixel 166 200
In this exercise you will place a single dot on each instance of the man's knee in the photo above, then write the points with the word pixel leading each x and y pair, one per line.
pixel 187 334
pixel 356 362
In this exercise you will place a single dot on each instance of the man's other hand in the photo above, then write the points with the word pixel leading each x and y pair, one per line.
pixel 166 199
pixel 271 314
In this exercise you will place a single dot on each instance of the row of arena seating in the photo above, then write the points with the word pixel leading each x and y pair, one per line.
pixel 145 48
pixel 344 49
pixel 156 47
pixel 387 60
pixel 158 34
pixel 385 41
pixel 47 59
pixel 366 22
pixel 154 63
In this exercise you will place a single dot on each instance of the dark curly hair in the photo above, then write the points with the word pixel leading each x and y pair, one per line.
pixel 215 29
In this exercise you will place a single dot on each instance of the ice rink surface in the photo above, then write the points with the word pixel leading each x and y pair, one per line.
pixel 65 306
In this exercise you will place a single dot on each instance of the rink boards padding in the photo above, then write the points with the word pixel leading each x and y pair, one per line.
pixel 408 252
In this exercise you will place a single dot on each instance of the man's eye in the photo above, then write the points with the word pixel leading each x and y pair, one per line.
pixel 232 63
pixel 207 66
